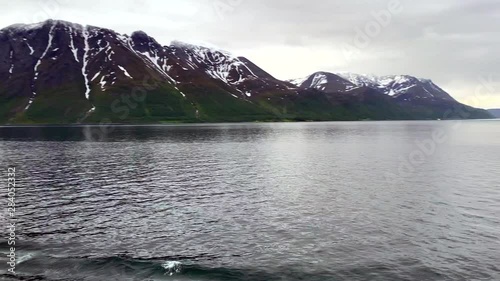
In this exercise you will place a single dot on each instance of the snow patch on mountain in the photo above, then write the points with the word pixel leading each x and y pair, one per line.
pixel 177 88
pixel 32 51
pixel 125 72
pixel 203 46
pixel 37 65
pixel 85 61
pixel 72 45
pixel 361 79
pixel 318 80
pixel 49 44
pixel 103 83
pixel 95 76
pixel 153 59
pixel 298 81
pixel 11 69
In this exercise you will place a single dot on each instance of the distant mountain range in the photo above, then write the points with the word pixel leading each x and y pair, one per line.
pixel 400 87
pixel 495 112
pixel 61 72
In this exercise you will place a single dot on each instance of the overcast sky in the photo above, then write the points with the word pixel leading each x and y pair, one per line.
pixel 455 43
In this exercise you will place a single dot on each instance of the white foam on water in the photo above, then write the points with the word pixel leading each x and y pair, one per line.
pixel 172 267
pixel 24 258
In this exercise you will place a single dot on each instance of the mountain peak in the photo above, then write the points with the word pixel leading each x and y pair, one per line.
pixel 51 23
pixel 139 34
pixel 205 47
pixel 405 87
pixel 21 27
pixel 35 26
pixel 324 81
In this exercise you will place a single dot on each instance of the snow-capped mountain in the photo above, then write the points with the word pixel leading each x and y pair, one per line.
pixel 88 61
pixel 102 55
pixel 237 72
pixel 324 81
pixel 402 87
pixel 62 72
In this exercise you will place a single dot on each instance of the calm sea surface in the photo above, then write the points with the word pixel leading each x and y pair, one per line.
pixel 264 202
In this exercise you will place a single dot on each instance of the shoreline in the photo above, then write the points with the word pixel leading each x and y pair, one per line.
pixel 174 124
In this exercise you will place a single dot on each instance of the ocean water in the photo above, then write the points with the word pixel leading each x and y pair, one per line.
pixel 274 201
